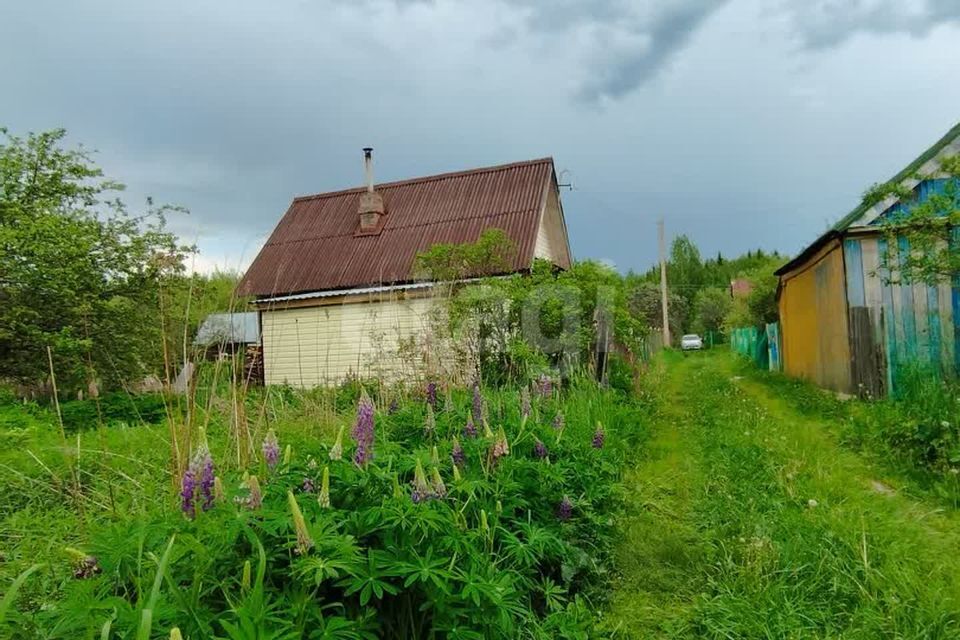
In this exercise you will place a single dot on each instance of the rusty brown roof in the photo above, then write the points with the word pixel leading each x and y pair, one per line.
pixel 314 246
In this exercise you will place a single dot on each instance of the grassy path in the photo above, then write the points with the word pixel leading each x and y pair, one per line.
pixel 750 521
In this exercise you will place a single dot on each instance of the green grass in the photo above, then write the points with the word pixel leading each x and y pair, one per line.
pixel 755 522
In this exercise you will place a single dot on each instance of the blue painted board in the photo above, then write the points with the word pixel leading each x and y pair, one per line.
pixel 906 307
pixel 853 265
pixel 888 321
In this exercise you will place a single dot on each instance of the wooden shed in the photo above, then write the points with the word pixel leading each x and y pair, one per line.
pixel 335 284
pixel 843 324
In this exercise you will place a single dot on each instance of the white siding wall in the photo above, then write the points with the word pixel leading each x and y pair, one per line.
pixel 311 346
pixel 551 240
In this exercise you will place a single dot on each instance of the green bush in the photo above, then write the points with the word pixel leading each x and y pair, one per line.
pixel 113 408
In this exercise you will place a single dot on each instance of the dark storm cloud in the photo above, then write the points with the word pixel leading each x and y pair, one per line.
pixel 627 42
pixel 828 23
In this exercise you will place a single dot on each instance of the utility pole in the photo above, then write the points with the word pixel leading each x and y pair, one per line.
pixel 663 284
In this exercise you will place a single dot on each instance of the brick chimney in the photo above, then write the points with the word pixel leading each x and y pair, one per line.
pixel 371 202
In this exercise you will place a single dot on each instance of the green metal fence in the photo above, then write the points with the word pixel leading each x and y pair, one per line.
pixel 761 346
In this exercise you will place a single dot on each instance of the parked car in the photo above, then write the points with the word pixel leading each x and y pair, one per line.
pixel 691 342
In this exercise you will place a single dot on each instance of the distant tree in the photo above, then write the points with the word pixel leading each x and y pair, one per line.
pixel 710 308
pixel 930 229
pixel 78 272
pixel 644 302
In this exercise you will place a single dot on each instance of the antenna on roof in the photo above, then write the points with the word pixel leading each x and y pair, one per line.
pixel 564 185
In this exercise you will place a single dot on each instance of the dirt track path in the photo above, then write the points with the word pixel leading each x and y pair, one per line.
pixel 750 520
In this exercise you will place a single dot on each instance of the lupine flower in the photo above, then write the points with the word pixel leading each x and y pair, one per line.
pixel 457 454
pixel 393 407
pixel 448 400
pixel 486 430
pixel 540 449
pixel 245 576
pixel 85 565
pixel 207 478
pixel 336 451
pixel 470 430
pixel 287 454
pixel 307 486
pixel 199 476
pixel 363 432
pixel 311 463
pixel 477 403
pixel 304 541
pixel 432 394
pixel 175 634
pixel 255 499
pixel 565 510
pixel 439 488
pixel 456 473
pixel 434 455
pixel 525 403
pixel 598 437
pixel 271 449
pixel 484 526
pixel 324 498
pixel 430 426
pixel 559 422
pixel 188 492
pixel 218 494
pixel 499 507
pixel 500 448
pixel 545 386
pixel 421 489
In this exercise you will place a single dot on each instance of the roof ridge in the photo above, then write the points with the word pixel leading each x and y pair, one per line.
pixel 429 178
pixel 431 223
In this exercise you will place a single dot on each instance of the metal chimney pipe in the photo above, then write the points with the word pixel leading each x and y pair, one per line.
pixel 368 167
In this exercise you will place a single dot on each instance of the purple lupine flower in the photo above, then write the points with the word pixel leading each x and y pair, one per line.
pixel 457 453
pixel 188 492
pixel 559 422
pixel 271 449
pixel 525 403
pixel 363 431
pixel 470 430
pixel 432 394
pixel 394 407
pixel 598 437
pixel 545 386
pixel 308 486
pixel 477 403
pixel 540 449
pixel 565 510
pixel 207 478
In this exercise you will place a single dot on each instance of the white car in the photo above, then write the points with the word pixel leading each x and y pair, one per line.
pixel 691 342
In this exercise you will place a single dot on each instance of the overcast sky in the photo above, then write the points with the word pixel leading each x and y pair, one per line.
pixel 744 123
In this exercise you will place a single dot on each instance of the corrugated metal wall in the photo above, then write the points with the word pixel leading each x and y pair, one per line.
pixel 813 321
pixel 311 346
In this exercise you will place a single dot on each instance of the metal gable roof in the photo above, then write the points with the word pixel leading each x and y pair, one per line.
pixel 852 218
pixel 315 246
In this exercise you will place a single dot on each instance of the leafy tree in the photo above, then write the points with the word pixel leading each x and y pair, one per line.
pixel 78 273
pixel 644 301
pixel 928 227
pixel 710 308
pixel 685 271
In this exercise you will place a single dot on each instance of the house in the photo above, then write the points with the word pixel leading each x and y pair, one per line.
pixel 335 284
pixel 740 288
pixel 843 324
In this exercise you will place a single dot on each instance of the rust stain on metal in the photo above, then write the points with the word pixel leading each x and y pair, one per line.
pixel 315 246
